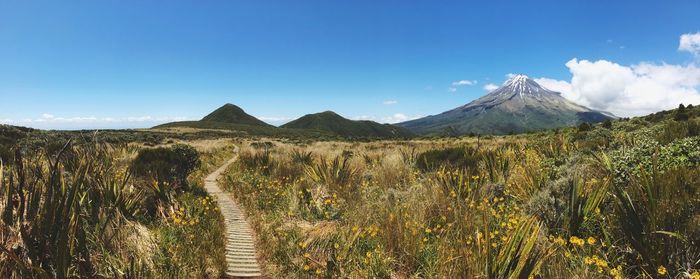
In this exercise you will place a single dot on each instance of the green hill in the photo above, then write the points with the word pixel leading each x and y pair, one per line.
pixel 232 118
pixel 331 122
pixel 233 114
pixel 250 130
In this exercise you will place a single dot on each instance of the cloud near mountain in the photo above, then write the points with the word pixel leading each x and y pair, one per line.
pixel 633 90
pixel 691 43
pixel 628 90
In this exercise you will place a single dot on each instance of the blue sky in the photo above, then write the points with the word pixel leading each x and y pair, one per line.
pixel 116 64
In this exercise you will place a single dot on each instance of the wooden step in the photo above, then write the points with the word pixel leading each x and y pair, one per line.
pixel 241 256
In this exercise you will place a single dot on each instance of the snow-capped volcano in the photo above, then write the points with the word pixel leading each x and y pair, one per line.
pixel 519 105
pixel 521 84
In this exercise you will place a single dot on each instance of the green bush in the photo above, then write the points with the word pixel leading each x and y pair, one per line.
pixel 681 114
pixel 584 127
pixel 656 215
pixel 169 165
pixel 257 161
pixel 453 157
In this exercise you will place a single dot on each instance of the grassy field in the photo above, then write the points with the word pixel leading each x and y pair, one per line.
pixel 82 209
pixel 616 200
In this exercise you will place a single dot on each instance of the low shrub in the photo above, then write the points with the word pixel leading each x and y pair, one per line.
pixel 169 165
pixel 452 157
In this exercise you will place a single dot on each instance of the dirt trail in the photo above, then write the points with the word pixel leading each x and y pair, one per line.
pixel 241 259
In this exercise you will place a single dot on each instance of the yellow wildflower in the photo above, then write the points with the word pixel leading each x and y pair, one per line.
pixel 661 270
pixel 576 241
pixel 590 240
pixel 560 241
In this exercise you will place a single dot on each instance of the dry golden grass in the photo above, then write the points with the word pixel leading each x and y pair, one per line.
pixel 508 217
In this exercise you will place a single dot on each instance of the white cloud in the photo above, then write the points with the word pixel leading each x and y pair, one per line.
pixel 628 90
pixel 691 43
pixel 490 87
pixel 364 117
pixel 399 117
pixel 50 121
pixel 390 102
pixel 394 118
pixel 275 120
pixel 464 82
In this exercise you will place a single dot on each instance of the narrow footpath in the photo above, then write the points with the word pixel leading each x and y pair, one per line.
pixel 241 259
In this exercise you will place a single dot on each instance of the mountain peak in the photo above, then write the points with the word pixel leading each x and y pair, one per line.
pixel 517 79
pixel 521 86
pixel 230 113
pixel 330 121
pixel 519 105
pixel 328 113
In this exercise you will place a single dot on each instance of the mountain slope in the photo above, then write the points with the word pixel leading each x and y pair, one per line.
pixel 520 105
pixel 233 118
pixel 233 114
pixel 334 123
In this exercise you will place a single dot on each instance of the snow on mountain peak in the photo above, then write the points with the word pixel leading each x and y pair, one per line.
pixel 517 79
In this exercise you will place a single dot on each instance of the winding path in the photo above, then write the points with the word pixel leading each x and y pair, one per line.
pixel 241 257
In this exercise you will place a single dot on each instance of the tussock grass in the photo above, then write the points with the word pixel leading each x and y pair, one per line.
pixel 553 205
pixel 76 210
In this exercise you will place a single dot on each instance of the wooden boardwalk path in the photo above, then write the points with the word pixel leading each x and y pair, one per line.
pixel 241 259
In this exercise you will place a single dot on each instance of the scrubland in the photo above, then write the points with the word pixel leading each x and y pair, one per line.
pixel 100 210
pixel 618 199
pixel 614 200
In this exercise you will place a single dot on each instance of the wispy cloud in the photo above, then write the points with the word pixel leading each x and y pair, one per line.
pixel 464 82
pixel 51 121
pixel 275 120
pixel 691 43
pixel 490 87
pixel 390 102
pixel 391 119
